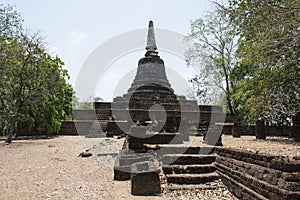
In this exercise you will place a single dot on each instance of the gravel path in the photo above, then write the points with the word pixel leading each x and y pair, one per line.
pixel 51 169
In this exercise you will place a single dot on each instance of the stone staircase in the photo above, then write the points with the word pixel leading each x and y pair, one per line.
pixel 188 167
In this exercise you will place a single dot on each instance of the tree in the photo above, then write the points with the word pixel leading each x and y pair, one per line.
pixel 11 22
pixel 269 52
pixel 215 43
pixel 33 88
pixel 269 30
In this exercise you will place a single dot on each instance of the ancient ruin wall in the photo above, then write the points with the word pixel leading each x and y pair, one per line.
pixel 69 128
pixel 251 175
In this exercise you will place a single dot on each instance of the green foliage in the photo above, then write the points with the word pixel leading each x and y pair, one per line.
pixel 11 22
pixel 215 43
pixel 269 30
pixel 33 88
pixel 269 52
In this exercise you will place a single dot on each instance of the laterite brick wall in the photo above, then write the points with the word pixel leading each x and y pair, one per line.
pixel 258 176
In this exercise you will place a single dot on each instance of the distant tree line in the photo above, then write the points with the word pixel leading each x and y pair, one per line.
pixel 250 50
pixel 86 103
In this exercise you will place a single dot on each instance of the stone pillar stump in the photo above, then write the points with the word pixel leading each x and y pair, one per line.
pixel 236 130
pixel 296 127
pixel 213 137
pixel 260 132
pixel 136 137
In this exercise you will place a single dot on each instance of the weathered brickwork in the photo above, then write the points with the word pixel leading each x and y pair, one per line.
pixel 81 127
pixel 258 176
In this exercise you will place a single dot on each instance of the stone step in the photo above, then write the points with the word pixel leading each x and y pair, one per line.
pixel 102 116
pixel 192 178
pixel 189 169
pixel 175 149
pixel 160 138
pixel 187 159
pixel 201 186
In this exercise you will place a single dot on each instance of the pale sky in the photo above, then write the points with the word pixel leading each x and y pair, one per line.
pixel 75 28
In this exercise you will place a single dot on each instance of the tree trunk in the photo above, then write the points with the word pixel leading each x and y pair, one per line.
pixel 228 95
pixel 228 99
pixel 11 130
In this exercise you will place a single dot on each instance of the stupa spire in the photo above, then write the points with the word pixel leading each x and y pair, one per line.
pixel 151 44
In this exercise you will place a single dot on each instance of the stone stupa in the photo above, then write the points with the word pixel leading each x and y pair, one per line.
pixel 151 97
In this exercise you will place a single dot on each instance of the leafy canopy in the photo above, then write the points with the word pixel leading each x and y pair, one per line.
pixel 269 53
pixel 33 88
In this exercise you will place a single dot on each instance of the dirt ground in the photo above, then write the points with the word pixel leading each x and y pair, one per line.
pixel 281 146
pixel 51 169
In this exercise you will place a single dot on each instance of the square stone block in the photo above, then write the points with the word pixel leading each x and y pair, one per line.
pixel 145 179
